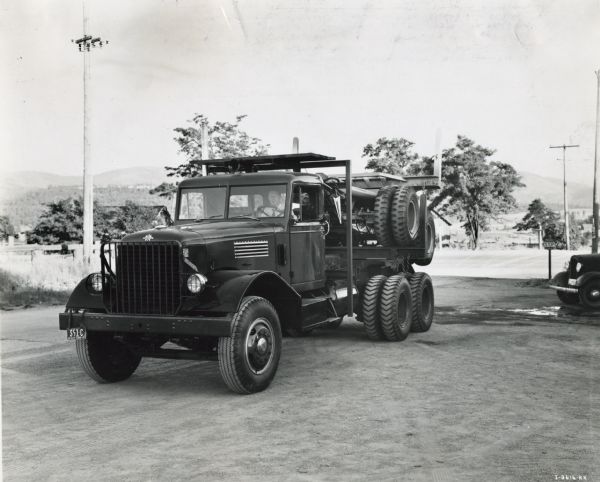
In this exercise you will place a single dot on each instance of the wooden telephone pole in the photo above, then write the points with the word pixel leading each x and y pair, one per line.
pixel 85 44
pixel 564 147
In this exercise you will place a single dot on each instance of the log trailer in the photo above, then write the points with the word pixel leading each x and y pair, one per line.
pixel 258 248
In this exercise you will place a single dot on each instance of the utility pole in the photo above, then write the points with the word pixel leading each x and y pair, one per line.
pixel 564 147
pixel 204 142
pixel 85 44
pixel 596 203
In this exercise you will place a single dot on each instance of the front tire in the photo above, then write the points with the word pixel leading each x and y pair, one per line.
pixel 106 359
pixel 248 359
pixel 589 294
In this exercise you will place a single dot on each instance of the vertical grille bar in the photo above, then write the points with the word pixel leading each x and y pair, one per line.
pixel 147 278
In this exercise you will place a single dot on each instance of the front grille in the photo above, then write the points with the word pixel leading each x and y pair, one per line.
pixel 142 278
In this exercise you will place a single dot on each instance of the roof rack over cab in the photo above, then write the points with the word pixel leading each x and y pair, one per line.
pixel 294 162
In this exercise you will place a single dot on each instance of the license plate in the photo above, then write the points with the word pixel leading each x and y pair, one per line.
pixel 76 333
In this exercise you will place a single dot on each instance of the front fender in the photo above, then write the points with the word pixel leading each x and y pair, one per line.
pixel 585 277
pixel 227 288
pixel 81 297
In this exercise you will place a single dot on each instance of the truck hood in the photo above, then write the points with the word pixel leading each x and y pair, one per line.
pixel 207 231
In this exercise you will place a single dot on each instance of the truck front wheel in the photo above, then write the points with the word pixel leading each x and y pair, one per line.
pixel 248 359
pixel 105 358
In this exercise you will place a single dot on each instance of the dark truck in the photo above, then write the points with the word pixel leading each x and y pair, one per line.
pixel 258 248
pixel 581 281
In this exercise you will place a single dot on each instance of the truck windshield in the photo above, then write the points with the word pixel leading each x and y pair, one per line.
pixel 257 201
pixel 202 203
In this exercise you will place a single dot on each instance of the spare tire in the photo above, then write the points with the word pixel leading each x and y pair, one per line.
pixel 405 216
pixel 381 222
pixel 429 234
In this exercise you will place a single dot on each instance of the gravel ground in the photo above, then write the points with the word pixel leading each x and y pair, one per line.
pixel 504 387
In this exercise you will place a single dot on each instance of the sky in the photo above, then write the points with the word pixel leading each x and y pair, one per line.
pixel 515 76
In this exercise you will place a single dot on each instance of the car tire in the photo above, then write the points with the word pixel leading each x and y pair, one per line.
pixel 370 307
pixel 395 308
pixel 106 359
pixel 405 216
pixel 248 359
pixel 382 219
pixel 562 279
pixel 421 289
pixel 589 294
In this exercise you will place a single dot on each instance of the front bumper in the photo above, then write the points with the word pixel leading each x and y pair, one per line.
pixel 565 289
pixel 148 324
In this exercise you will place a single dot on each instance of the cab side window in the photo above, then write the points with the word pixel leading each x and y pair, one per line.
pixel 305 203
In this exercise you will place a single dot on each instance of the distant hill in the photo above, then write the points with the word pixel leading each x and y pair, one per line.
pixel 550 191
pixel 18 182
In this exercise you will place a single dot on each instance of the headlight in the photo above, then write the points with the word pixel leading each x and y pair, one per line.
pixel 94 282
pixel 578 267
pixel 196 283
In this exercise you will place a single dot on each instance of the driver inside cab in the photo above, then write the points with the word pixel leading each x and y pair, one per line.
pixel 276 206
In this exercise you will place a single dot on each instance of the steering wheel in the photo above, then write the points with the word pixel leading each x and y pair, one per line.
pixel 268 211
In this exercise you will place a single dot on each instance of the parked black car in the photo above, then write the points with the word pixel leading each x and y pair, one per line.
pixel 581 281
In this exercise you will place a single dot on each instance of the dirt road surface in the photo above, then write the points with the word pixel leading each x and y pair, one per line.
pixel 505 387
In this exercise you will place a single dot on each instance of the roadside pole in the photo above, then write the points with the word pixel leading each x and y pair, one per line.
pixel 564 147
pixel 596 202
pixel 85 44
pixel 204 141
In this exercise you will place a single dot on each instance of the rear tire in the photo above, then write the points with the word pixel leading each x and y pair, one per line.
pixel 370 307
pixel 395 308
pixel 382 220
pixel 105 359
pixel 429 241
pixel 248 359
pixel 405 216
pixel 589 294
pixel 421 289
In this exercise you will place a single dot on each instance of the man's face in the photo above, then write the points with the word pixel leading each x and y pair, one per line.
pixel 273 198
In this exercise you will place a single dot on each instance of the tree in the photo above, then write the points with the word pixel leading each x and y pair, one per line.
pixel 390 156
pixel 62 221
pixel 225 139
pixel 537 218
pixel 474 189
pixel 6 228
pixel 129 218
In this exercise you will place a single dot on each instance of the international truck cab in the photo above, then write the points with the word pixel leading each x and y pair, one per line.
pixel 257 248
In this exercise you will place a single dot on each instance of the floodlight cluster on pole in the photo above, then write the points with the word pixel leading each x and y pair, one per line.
pixel 85 44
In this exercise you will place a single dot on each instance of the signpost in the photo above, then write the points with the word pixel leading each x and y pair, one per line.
pixel 550 245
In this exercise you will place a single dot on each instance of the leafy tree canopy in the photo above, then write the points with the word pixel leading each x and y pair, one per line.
pixel 538 216
pixel 225 139
pixel 390 156
pixel 62 221
pixel 6 228
pixel 474 188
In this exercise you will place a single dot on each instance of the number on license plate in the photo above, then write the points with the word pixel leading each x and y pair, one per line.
pixel 76 333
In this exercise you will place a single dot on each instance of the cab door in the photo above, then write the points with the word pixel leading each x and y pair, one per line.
pixel 307 240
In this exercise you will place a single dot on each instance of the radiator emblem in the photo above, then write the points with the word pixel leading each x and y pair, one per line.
pixel 148 237
pixel 251 249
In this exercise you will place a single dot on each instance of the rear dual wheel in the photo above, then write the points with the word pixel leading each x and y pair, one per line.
pixel 392 307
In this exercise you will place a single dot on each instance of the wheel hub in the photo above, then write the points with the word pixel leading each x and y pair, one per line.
pixel 259 345
pixel 595 294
